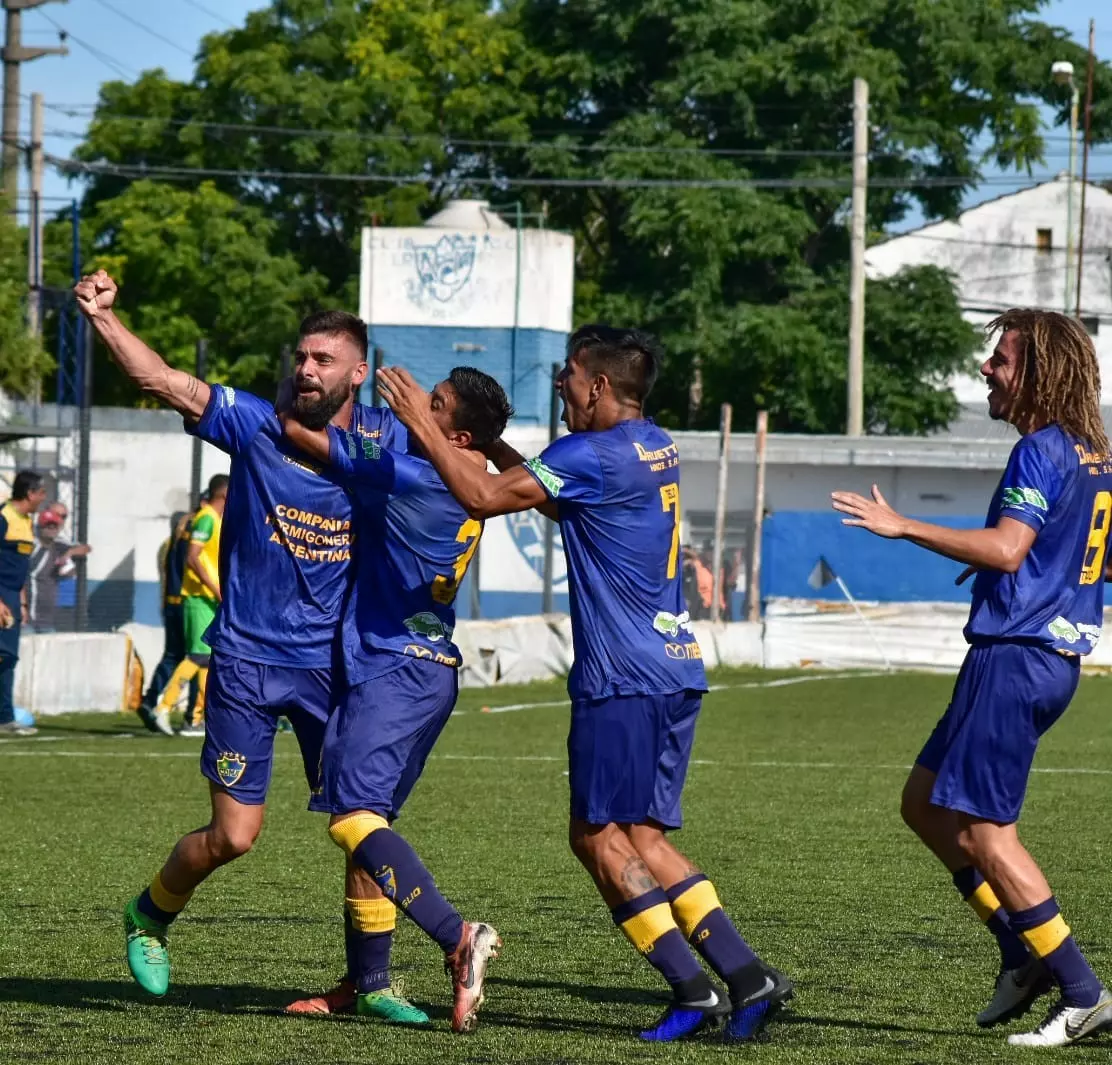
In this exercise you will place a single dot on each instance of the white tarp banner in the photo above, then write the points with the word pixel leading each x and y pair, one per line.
pixel 426 276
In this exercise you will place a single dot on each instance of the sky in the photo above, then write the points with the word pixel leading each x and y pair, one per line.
pixel 113 39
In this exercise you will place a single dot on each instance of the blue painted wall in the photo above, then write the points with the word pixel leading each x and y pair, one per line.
pixel 873 568
pixel 429 353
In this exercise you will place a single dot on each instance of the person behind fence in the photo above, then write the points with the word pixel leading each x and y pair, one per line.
pixel 200 597
pixel 53 567
pixel 17 543
pixel 171 567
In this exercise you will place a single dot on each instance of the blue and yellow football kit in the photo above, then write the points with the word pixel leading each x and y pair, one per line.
pixel 1027 630
pixel 285 551
pixel 17 543
pixel 638 678
pixel 414 546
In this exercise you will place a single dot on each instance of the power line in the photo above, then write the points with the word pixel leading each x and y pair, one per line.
pixel 113 64
pixel 156 171
pixel 146 29
pixel 211 14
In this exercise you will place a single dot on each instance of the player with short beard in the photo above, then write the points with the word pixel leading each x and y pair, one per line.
pixel 284 571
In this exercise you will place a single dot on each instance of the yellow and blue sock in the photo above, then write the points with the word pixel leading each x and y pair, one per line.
pixel 368 936
pixel 402 877
pixel 185 671
pixel 1048 937
pixel 648 924
pixel 161 905
pixel 703 922
pixel 986 906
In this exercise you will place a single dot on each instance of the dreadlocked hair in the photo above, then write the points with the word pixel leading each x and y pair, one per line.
pixel 1059 376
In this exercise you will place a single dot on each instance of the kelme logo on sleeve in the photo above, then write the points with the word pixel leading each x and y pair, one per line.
pixel 1020 497
pixel 547 477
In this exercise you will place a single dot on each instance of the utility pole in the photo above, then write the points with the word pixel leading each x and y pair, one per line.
pixel 14 53
pixel 855 376
pixel 34 226
pixel 1085 161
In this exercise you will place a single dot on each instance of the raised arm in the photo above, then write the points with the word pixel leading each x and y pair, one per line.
pixel 481 494
pixel 1002 546
pixel 96 296
pixel 505 458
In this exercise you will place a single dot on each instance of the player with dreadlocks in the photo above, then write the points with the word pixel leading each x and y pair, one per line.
pixel 1038 601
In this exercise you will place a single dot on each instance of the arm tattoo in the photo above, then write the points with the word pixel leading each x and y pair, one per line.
pixel 194 384
pixel 636 879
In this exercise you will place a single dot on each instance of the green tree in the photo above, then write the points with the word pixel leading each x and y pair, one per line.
pixel 743 273
pixel 747 285
pixel 22 359
pixel 195 263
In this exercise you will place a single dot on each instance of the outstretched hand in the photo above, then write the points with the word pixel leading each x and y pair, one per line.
pixel 96 294
pixel 404 396
pixel 873 514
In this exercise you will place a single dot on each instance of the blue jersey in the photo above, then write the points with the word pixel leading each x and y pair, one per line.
pixel 287 532
pixel 618 494
pixel 1056 598
pixel 415 543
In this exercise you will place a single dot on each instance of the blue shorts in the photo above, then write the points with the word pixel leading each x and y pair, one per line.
pixel 1006 696
pixel 628 756
pixel 377 741
pixel 243 701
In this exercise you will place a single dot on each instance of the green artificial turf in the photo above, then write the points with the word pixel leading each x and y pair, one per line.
pixel 791 807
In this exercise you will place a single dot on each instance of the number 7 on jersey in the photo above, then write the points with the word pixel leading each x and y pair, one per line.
pixel 670 501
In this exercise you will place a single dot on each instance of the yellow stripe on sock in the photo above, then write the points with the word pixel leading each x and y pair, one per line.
pixel 372 915
pixel 984 901
pixel 645 928
pixel 1046 938
pixel 167 900
pixel 693 905
pixel 351 831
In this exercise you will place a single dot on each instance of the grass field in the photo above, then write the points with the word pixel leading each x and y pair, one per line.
pixel 792 807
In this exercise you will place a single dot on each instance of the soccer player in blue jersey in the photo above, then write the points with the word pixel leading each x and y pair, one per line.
pixel 415 543
pixel 1037 608
pixel 638 679
pixel 284 571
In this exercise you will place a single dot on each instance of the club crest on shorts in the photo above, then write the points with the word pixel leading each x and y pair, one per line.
pixel 230 767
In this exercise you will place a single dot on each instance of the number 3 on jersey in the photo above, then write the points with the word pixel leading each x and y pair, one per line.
pixel 1093 569
pixel 670 501
pixel 444 588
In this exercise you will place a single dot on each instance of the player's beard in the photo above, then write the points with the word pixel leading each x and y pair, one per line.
pixel 316 408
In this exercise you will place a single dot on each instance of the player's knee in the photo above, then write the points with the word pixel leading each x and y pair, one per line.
pixel 228 842
pixel 979 843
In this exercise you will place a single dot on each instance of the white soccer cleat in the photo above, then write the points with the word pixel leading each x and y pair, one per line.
pixel 161 720
pixel 1066 1024
pixel 467 966
pixel 1016 992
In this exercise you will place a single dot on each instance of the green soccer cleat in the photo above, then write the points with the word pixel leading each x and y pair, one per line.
pixel 387 1005
pixel 147 957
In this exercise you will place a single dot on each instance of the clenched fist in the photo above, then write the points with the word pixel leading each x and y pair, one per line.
pixel 96 293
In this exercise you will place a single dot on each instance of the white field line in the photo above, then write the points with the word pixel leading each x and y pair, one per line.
pixel 783 682
pixel 27 751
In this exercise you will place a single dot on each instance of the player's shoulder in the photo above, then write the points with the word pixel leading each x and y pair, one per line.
pixel 1054 444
